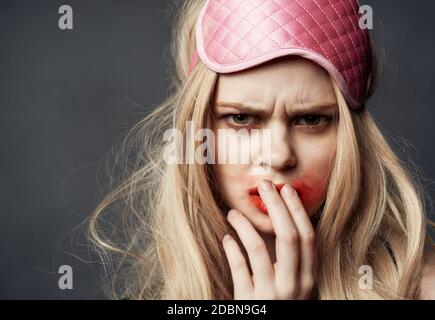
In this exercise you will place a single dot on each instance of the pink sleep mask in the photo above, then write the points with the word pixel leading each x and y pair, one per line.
pixel 234 35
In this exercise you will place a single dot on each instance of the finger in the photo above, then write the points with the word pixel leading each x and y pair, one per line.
pixel 256 249
pixel 287 239
pixel 243 286
pixel 306 237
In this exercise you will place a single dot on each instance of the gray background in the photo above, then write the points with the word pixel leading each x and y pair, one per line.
pixel 66 96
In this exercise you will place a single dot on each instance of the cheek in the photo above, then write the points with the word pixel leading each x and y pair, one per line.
pixel 233 178
pixel 232 156
pixel 317 165
pixel 311 190
pixel 229 181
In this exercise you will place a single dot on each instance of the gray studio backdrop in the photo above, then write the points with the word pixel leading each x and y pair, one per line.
pixel 67 95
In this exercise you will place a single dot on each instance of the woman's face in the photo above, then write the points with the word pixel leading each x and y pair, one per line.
pixel 293 99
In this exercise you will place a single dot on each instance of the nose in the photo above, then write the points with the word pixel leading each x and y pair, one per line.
pixel 277 152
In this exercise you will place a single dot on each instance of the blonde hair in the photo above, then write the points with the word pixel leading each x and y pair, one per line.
pixel 159 228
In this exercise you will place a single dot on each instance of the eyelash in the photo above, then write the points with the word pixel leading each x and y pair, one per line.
pixel 229 117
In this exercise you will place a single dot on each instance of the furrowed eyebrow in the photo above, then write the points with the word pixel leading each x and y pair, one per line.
pixel 242 108
pixel 315 108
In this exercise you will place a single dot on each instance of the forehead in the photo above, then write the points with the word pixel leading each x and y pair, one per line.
pixel 294 79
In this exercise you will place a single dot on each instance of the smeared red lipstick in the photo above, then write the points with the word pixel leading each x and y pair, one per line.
pixel 309 195
pixel 255 198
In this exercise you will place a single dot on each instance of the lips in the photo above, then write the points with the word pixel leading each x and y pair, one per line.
pixel 255 198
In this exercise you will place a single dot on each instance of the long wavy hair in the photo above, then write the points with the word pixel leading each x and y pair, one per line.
pixel 158 229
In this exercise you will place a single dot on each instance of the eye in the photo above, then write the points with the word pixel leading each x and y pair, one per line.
pixel 314 120
pixel 240 120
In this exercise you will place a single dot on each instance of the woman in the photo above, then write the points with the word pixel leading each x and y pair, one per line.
pixel 328 212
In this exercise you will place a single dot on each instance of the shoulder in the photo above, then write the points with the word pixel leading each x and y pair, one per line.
pixel 427 285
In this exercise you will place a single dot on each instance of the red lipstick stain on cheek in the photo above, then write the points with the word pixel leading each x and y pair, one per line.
pixel 311 191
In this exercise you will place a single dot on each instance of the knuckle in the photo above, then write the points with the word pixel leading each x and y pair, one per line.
pixel 292 237
pixel 309 238
pixel 238 264
pixel 258 246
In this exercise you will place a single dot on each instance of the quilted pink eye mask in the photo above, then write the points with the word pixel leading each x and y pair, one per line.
pixel 233 35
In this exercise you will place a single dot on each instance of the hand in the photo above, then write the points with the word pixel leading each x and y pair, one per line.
pixel 292 275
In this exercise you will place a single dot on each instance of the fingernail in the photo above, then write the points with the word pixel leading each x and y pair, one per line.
pixel 226 237
pixel 287 190
pixel 265 185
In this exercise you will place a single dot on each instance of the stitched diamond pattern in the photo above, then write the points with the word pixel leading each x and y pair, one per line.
pixel 234 31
